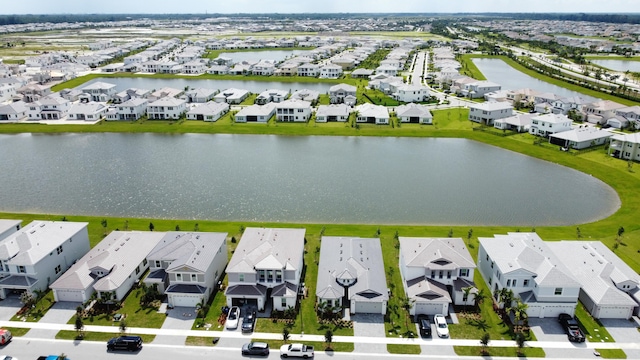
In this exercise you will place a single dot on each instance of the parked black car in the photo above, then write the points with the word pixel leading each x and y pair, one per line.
pixel 255 348
pixel 425 326
pixel 248 322
pixel 570 326
pixel 130 343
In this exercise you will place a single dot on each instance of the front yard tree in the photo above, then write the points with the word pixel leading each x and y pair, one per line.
pixel 328 338
pixel 484 340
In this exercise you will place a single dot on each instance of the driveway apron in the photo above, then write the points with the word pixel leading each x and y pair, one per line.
pixel 59 313
pixel 369 325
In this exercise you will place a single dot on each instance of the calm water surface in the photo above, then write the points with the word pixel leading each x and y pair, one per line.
pixel 498 71
pixel 619 65
pixel 293 179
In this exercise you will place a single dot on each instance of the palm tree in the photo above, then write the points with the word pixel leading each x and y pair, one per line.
pixel 466 291
pixel 328 338
pixel 202 308
pixel 479 297
pixel 520 342
pixel 407 304
pixel 519 310
pixel 484 340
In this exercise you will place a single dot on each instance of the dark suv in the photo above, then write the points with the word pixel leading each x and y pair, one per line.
pixel 425 326
pixel 130 343
pixel 570 326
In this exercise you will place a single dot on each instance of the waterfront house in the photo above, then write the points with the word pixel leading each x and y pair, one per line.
pixel 330 71
pixel 351 275
pixel 100 91
pixel 342 94
pixel 256 113
pixel 39 253
pixel 487 113
pixel 166 108
pixel 231 96
pixel 333 112
pixel 374 114
pixel 410 93
pixel 13 112
pixel 266 266
pixel 519 122
pixel 209 111
pixel 309 69
pixel 306 95
pixel 200 95
pixel 272 95
pixel 435 273
pixel 132 110
pixel 91 111
pixel 547 124
pixel 51 107
pixel 414 113
pixel 293 110
pixel 625 146
pixel 580 138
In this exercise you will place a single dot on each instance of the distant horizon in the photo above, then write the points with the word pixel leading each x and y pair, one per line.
pixel 83 7
pixel 326 13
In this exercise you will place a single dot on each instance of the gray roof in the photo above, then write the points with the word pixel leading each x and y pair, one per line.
pixel 352 258
pixel 195 250
pixel 588 133
pixel 118 255
pixel 598 270
pixel 246 290
pixel 186 289
pixel 492 105
pixel 210 108
pixel 427 289
pixel 98 86
pixel 36 240
pixel 14 108
pixel 285 289
pixel 412 109
pixel 527 251
pixel 333 110
pixel 343 87
pixel 436 253
pixel 268 248
pixel 371 110
pixel 7 225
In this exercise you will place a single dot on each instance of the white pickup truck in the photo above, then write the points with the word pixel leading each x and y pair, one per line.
pixel 296 350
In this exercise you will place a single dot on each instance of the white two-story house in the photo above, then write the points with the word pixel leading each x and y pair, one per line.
pixel 39 253
pixel 186 266
pixel 526 265
pixel 166 108
pixel 100 91
pixel 488 112
pixel 266 266
pixel 342 94
pixel 547 124
pixel 293 110
pixel 435 273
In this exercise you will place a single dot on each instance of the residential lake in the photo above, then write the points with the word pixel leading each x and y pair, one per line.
pixel 499 72
pixel 253 56
pixel 619 65
pixel 314 179
pixel 252 86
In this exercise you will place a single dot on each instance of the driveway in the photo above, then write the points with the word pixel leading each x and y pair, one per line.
pixel 547 329
pixel 59 313
pixel 428 348
pixel 369 325
pixel 9 307
pixel 179 318
pixel 624 331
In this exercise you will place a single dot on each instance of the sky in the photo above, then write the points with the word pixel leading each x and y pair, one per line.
pixel 313 6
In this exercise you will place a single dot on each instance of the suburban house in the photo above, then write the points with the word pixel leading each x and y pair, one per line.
pixel 39 253
pixel 166 108
pixel 374 114
pixel 600 111
pixel 526 265
pixel 351 275
pixel 547 124
pixel 51 107
pixel 309 69
pixel 8 227
pixel 389 70
pixel 273 95
pixel 256 113
pixel 479 88
pixel 362 73
pixel 333 112
pixel 100 91
pixel 110 269
pixel 608 286
pixel 580 138
pixel 293 110
pixel 436 274
pixel 524 96
pixel 91 111
pixel 342 94
pixel 209 111
pixel 625 146
pixel 200 95
pixel 411 93
pixel 330 71
pixel 195 67
pixel 186 266
pixel 267 264
pixel 165 92
pixel 487 113
pixel 14 111
pixel 306 95
pixel 132 109
pixel 519 122
pixel 414 113
pixel 231 96
pixel 631 113
pixel 264 67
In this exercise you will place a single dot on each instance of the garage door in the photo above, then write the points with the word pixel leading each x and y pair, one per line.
pixel 615 312
pixel 184 300
pixel 69 295
pixel 429 308
pixel 362 307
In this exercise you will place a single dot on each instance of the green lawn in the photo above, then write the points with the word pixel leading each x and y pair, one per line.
pixel 98 336
pixel 527 352
pixel 403 349
pixel 593 329
pixel 612 353
pixel 199 341
pixel 36 313
pixel 317 346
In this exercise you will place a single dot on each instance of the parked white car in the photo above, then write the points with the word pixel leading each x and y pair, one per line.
pixel 233 318
pixel 442 329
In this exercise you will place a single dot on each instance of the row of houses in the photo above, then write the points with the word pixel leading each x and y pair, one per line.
pixel 266 268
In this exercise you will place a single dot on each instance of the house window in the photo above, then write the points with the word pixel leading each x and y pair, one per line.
pixel 278 276
pixel 194 277
pixel 433 274
pixel 157 263
pixel 261 275
pixel 487 257
pixel 525 283
pixel 241 277
pixel 465 297
pixel 21 269
pixel 558 291
pixel 144 262
pixel 492 264
pixel 269 275
pixel 508 282
pixel 58 269
pixel 440 274
pixel 137 270
pixel 59 249
pixel 179 277
pixel 448 274
pixel 464 272
pixel 514 283
pixel 283 302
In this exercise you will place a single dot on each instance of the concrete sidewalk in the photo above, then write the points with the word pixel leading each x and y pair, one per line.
pixel 320 338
